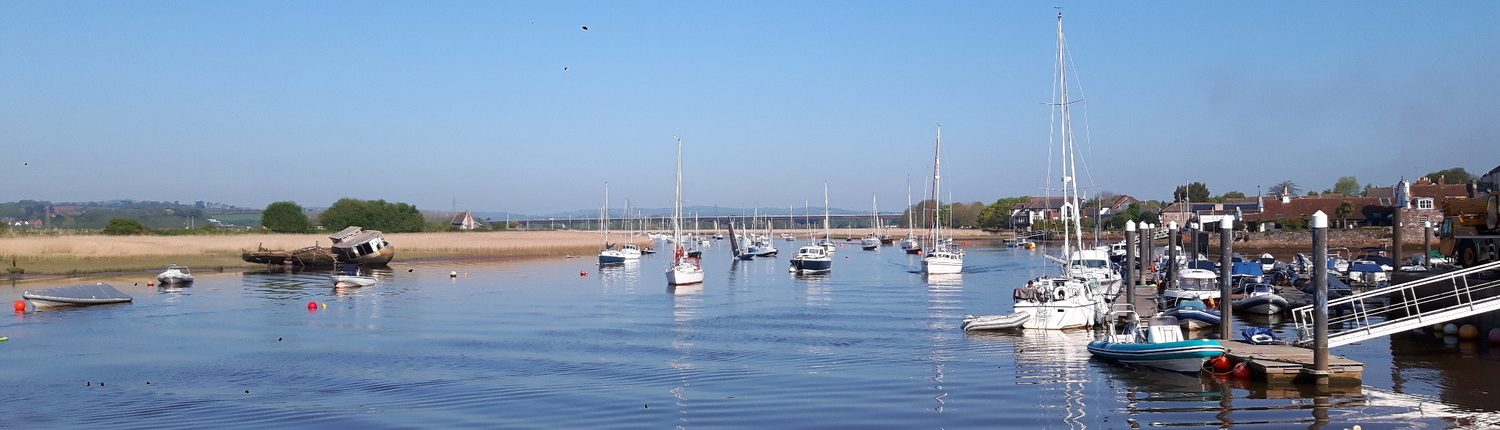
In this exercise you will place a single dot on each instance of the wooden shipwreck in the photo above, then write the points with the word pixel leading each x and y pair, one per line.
pixel 353 245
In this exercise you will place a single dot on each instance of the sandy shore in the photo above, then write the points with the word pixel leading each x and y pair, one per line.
pixel 79 254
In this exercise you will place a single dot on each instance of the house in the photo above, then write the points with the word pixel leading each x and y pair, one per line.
pixel 1037 209
pixel 1210 213
pixel 1490 182
pixel 1112 207
pixel 1356 212
pixel 465 221
pixel 1424 203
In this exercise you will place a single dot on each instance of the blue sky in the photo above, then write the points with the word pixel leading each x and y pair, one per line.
pixel 425 102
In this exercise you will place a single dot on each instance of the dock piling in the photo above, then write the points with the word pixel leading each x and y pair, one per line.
pixel 1226 265
pixel 1426 245
pixel 1320 308
pixel 1396 239
pixel 1172 235
pixel 1130 263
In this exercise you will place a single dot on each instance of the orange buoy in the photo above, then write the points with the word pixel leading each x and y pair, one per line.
pixel 1241 371
pixel 20 306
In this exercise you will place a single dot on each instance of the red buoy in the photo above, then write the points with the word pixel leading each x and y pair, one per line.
pixel 312 306
pixel 1241 371
pixel 20 306
pixel 583 273
pixel 1220 363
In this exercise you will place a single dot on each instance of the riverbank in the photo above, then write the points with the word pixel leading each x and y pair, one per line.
pixel 87 254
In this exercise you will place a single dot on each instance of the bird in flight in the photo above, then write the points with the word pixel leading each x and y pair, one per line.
pixel 585 28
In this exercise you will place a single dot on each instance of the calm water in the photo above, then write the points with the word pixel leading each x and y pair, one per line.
pixel 533 345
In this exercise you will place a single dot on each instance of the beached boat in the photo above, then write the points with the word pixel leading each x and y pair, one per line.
pixel 944 257
pixel 73 295
pixel 1159 344
pixel 354 280
pixel 312 256
pixel 811 259
pixel 175 275
pixel 1261 299
pixel 355 245
pixel 684 270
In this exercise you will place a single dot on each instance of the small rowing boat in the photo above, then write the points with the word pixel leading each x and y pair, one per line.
pixel 995 322
pixel 97 294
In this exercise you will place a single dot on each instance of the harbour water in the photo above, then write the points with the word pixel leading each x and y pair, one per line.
pixel 534 344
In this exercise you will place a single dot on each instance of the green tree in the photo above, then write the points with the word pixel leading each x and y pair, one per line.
pixel 1343 212
pixel 124 227
pixel 997 215
pixel 1456 175
pixel 285 217
pixel 1347 185
pixel 372 214
pixel 1196 191
pixel 1232 195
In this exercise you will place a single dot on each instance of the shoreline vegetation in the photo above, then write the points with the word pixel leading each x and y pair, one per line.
pixel 65 254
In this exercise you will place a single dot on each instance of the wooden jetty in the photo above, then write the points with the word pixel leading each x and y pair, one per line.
pixel 1273 364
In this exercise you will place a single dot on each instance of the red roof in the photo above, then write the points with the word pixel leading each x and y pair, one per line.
pixel 1303 207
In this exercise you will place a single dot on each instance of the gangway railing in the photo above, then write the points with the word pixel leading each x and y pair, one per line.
pixel 1454 300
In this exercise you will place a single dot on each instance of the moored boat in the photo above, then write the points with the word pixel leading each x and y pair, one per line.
pixel 354 280
pixel 1194 315
pixel 175 275
pixel 1160 345
pixel 811 259
pixel 1013 320
pixel 685 269
pixel 1261 299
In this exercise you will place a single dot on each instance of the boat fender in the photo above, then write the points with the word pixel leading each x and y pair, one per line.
pixel 1241 371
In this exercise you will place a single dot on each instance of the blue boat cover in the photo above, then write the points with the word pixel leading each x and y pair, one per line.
pixel 1202 264
pixel 1364 267
pixel 1259 335
pixel 1251 268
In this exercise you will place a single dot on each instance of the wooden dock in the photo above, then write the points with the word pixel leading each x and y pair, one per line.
pixel 1291 364
pixel 1274 364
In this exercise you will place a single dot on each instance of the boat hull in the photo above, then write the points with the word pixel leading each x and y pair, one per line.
pixel 1261 304
pixel 611 257
pixel 932 265
pixel 1008 321
pixel 1060 315
pixel 1180 356
pixel 174 279
pixel 811 265
pixel 686 274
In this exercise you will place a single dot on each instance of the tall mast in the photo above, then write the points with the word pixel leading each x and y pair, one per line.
pixel 937 189
pixel 1070 211
pixel 826 235
pixel 604 216
pixel 909 228
pixel 677 205
pixel 875 213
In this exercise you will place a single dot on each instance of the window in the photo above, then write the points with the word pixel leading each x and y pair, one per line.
pixel 1424 203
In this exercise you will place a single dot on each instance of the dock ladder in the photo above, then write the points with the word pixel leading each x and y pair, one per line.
pixel 1392 302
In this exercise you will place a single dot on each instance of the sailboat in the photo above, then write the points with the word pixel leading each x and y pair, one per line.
pixel 1075 298
pixel 827 241
pixel 944 257
pixel 609 255
pixel 871 242
pixel 910 244
pixel 684 270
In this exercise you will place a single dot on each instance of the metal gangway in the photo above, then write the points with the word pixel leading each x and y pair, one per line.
pixel 1358 322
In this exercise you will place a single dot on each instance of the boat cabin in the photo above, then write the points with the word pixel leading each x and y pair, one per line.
pixel 356 245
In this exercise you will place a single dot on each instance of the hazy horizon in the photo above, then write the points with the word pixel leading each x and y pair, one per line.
pixel 249 103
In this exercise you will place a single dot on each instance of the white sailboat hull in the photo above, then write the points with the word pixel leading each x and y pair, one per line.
pixel 939 265
pixel 1066 314
pixel 684 274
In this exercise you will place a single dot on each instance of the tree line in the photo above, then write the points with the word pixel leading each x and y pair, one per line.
pixel 289 217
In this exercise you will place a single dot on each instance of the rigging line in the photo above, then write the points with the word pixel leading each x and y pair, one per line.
pixel 1088 139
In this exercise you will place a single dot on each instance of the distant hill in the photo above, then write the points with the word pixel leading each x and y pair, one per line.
pixel 154 214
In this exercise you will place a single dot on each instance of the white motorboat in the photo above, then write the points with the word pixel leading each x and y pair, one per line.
pixel 354 280
pixel 175 275
pixel 944 257
pixel 1094 264
pixel 1008 321
pixel 1192 284
pixel 1261 299
pixel 1267 262
pixel 684 270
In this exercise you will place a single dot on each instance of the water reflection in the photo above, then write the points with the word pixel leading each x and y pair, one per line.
pixel 687 302
pixel 621 277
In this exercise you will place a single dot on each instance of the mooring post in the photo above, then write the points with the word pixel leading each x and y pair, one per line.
pixel 1320 306
pixel 1172 253
pixel 1133 270
pixel 1226 265
pixel 1426 245
pixel 1396 240
pixel 1148 274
